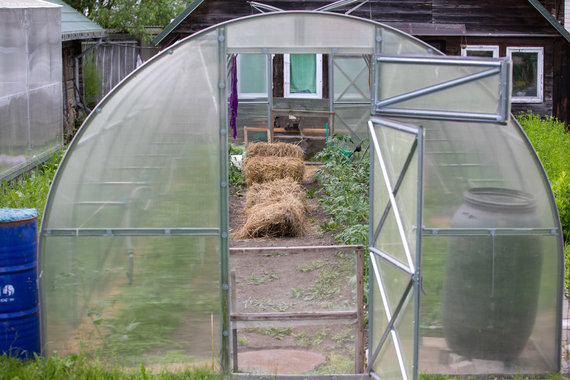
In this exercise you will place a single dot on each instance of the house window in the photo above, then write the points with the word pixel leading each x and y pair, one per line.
pixel 528 73
pixel 490 51
pixel 252 76
pixel 303 75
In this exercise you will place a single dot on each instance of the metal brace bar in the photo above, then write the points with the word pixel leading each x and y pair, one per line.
pixel 438 87
pixel 490 231
pixel 391 320
pixel 389 188
pixel 63 232
pixel 390 259
pixel 396 188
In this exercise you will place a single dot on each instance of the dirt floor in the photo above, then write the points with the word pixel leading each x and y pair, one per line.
pixel 282 281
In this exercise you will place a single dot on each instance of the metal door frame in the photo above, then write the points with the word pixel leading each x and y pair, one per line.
pixel 410 268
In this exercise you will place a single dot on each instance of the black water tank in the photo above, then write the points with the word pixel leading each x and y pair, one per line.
pixel 491 283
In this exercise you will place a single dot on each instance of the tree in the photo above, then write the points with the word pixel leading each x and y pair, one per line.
pixel 131 16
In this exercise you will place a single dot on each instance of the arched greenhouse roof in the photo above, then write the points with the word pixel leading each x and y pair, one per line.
pixel 135 234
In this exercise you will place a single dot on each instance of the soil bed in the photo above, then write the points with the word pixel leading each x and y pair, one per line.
pixel 293 282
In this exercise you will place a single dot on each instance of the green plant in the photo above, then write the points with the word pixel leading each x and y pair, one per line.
pixel 306 340
pixel 258 279
pixel 235 175
pixel 80 367
pixel 344 194
pixel 31 189
pixel 91 80
pixel 561 190
pixel 241 341
pixel 550 140
pixel 567 269
pixel 275 332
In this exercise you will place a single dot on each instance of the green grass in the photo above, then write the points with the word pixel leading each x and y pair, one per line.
pixel 31 189
pixel 79 367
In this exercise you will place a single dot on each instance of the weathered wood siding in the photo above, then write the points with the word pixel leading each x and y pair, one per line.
pixel 486 22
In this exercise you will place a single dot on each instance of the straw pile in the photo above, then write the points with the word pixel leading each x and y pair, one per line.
pixel 275 200
pixel 284 218
pixel 273 192
pixel 259 169
pixel 279 149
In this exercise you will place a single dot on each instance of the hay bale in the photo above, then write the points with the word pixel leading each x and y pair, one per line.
pixel 285 218
pixel 279 149
pixel 264 169
pixel 274 191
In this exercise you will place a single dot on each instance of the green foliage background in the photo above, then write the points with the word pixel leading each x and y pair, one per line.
pixel 131 16
pixel 552 144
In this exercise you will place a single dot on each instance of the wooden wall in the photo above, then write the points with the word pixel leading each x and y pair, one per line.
pixel 490 22
pixel 70 50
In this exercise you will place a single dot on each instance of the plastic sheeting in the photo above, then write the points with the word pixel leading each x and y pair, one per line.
pixel 134 248
pixel 30 84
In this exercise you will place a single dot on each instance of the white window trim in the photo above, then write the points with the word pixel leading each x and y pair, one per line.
pixel 249 95
pixel 539 73
pixel 287 79
pixel 492 48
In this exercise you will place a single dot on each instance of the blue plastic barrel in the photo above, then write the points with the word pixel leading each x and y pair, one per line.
pixel 19 310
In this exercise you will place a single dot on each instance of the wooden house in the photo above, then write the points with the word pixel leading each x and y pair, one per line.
pixel 528 31
pixel 75 29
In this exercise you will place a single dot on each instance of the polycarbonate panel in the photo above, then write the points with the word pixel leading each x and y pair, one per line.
pixel 465 88
pixel 512 265
pixel 394 42
pixel 390 241
pixel 394 250
pixel 521 312
pixel 395 360
pixel 351 78
pixel 30 86
pixel 149 156
pixel 301 32
pixel 252 115
pixel 395 282
pixel 128 300
pixel 352 119
pixel 461 156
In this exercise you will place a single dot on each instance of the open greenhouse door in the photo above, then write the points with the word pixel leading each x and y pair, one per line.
pixel 411 88
pixel 394 247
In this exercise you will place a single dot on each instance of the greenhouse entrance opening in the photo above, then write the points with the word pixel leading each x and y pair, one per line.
pixel 135 245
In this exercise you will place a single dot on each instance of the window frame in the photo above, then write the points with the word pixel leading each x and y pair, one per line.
pixel 492 48
pixel 251 95
pixel 539 73
pixel 287 79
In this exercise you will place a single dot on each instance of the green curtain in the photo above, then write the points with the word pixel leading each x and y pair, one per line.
pixel 303 73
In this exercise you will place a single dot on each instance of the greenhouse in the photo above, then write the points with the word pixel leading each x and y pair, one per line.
pixel 30 91
pixel 465 255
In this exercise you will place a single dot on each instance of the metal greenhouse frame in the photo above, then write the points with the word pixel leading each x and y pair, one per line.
pixel 465 248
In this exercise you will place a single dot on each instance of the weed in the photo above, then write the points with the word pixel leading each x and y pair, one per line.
pixel 31 189
pixel 311 193
pixel 265 277
pixel 344 336
pixel 263 304
pixel 275 254
pixel 312 266
pixel 336 363
pixel 275 332
pixel 241 341
pixel 305 340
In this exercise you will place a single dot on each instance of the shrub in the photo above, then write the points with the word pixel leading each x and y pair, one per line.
pixel 31 189
pixel 550 141
pixel 561 190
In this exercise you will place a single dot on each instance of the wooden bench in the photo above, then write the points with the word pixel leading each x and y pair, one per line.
pixel 301 133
